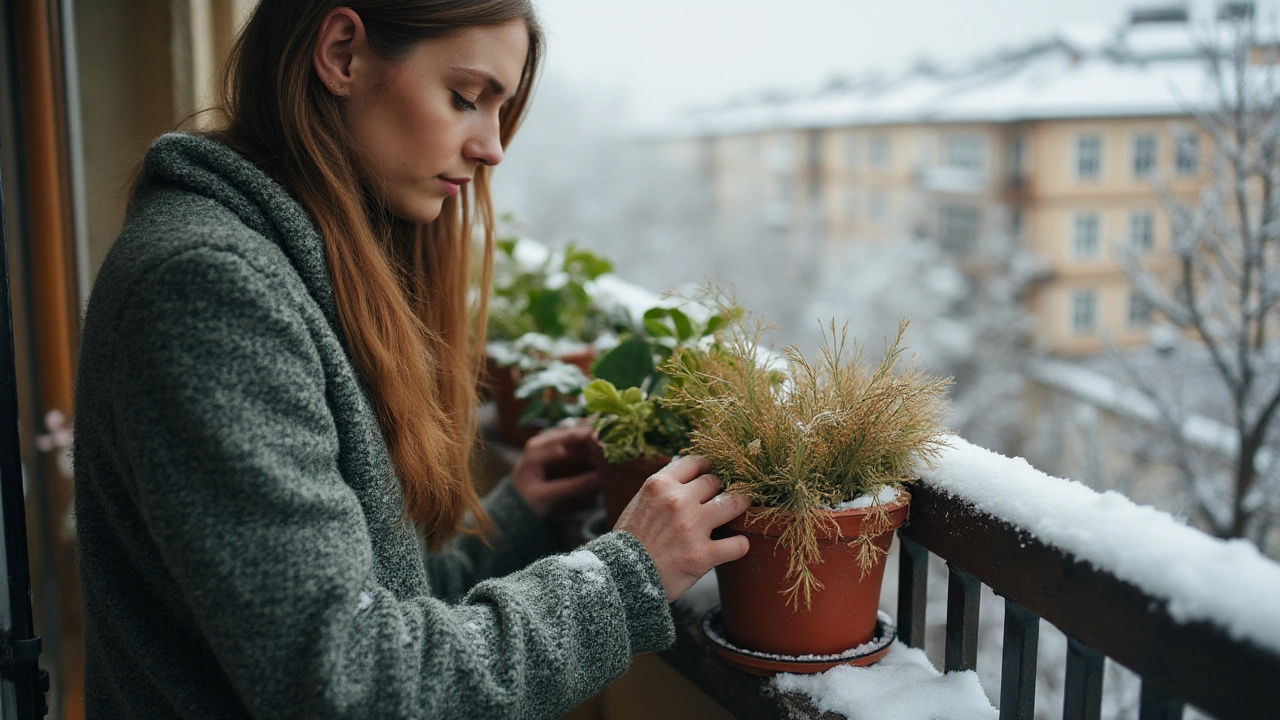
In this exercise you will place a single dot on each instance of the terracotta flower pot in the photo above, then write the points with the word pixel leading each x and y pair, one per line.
pixel 502 382
pixel 619 482
pixel 756 613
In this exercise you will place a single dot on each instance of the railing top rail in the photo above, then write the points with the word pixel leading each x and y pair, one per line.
pixel 1195 614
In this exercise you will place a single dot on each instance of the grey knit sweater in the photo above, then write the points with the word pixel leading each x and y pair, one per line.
pixel 242 544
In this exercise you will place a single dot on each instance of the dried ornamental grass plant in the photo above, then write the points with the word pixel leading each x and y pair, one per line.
pixel 803 437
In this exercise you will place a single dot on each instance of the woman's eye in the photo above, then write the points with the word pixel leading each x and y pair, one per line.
pixel 462 103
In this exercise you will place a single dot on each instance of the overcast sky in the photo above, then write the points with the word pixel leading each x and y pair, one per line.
pixel 663 55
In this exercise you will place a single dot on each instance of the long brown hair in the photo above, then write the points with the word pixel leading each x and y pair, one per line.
pixel 401 289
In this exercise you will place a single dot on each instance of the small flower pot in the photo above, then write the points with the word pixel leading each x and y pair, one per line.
pixel 756 613
pixel 619 482
pixel 502 381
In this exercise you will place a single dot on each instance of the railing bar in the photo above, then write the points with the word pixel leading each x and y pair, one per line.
pixel 1158 704
pixel 913 591
pixel 1018 669
pixel 963 595
pixel 1083 692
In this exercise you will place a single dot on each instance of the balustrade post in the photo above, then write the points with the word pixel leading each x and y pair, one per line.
pixel 1018 669
pixel 963 596
pixel 913 591
pixel 1083 692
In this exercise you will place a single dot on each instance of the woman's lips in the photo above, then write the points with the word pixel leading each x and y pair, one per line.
pixel 453 186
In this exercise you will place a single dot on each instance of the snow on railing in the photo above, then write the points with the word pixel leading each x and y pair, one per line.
pixel 1226 583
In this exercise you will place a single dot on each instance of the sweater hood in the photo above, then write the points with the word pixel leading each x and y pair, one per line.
pixel 209 168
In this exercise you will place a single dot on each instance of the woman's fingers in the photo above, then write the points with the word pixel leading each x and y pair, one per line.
pixel 726 506
pixel 704 487
pixel 684 469
pixel 729 549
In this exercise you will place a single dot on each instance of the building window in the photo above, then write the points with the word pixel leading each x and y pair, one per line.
pixel 1017 157
pixel 960 224
pixel 1144 155
pixel 878 151
pixel 877 207
pixel 1088 157
pixel 966 150
pixel 1084 311
pixel 1084 243
pixel 1186 159
pixel 1141 232
pixel 1139 311
pixel 850 151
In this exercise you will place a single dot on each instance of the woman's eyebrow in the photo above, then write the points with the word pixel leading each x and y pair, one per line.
pixel 494 84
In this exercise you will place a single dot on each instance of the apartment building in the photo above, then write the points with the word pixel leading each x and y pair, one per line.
pixel 1063 147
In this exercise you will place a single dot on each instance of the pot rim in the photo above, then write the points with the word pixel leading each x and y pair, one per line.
pixel 747 524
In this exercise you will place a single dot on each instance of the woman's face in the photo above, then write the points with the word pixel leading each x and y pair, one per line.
pixel 421 125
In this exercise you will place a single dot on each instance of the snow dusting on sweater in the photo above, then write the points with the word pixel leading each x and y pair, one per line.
pixel 902 686
pixel 1228 583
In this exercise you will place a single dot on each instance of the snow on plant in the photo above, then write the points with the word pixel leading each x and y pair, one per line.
pixel 810 436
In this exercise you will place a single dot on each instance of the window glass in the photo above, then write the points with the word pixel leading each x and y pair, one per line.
pixel 878 151
pixel 966 150
pixel 1084 243
pixel 960 224
pixel 1187 154
pixel 1088 157
pixel 1144 155
pixel 1141 231
pixel 1139 311
pixel 1084 308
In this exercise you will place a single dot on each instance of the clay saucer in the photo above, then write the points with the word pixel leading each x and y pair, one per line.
pixel 767 664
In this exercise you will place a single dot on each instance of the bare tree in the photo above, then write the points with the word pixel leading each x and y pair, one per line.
pixel 1225 290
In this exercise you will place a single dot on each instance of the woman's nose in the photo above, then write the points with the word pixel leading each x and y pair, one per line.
pixel 485 147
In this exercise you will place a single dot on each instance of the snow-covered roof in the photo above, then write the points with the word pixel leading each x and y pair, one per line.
pixel 1143 70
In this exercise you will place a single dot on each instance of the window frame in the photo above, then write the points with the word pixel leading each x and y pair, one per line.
pixel 1079 157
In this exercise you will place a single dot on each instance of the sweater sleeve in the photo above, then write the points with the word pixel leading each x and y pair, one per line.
pixel 223 427
pixel 519 537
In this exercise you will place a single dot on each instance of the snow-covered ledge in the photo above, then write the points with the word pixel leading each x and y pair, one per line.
pixel 1228 583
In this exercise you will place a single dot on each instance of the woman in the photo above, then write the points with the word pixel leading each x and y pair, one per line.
pixel 275 404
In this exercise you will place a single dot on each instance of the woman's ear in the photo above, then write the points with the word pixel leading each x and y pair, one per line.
pixel 340 33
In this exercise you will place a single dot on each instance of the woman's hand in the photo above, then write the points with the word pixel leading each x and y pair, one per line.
pixel 555 471
pixel 673 516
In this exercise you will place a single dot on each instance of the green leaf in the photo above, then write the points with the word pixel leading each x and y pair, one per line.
pixel 684 328
pixel 507 246
pixel 656 329
pixel 602 397
pixel 545 307
pixel 715 323
pixel 627 365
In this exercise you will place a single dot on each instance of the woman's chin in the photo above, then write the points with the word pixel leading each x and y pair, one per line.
pixel 418 212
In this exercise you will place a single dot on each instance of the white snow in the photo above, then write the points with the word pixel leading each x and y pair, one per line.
pixel 904 685
pixel 586 563
pixel 1227 583
pixel 884 497
pixel 366 600
pixel 564 378
pixel 866 648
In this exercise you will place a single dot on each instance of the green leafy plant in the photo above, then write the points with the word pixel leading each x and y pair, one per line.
pixel 801 437
pixel 550 297
pixel 625 396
